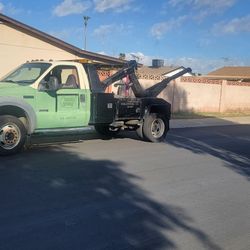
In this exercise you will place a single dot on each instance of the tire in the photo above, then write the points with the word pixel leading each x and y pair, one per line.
pixel 155 127
pixel 12 135
pixel 105 130
pixel 139 132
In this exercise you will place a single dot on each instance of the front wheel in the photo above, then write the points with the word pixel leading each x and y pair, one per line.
pixel 12 135
pixel 155 127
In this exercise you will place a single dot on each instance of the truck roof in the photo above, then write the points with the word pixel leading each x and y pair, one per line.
pixel 56 62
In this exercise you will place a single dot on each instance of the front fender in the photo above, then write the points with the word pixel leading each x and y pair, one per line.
pixel 21 104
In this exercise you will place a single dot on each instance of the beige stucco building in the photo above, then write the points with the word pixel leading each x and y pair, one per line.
pixel 20 43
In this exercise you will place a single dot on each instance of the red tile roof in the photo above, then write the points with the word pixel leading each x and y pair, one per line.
pixel 231 72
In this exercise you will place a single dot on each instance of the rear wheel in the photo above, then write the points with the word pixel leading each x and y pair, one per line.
pixel 155 127
pixel 105 130
pixel 139 132
pixel 12 135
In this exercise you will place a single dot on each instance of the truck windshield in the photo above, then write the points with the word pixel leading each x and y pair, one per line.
pixel 27 73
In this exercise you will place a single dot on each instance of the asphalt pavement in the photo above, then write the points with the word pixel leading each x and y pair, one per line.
pixel 190 192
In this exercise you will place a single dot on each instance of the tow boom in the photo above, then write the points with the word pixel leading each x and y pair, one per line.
pixel 138 90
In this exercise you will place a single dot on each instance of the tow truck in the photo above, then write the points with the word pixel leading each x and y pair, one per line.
pixel 65 97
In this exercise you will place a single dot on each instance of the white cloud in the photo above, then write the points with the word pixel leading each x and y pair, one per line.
pixel 199 4
pixel 204 42
pixel 234 26
pixel 198 65
pixel 103 31
pixel 202 65
pixel 67 33
pixel 203 8
pixel 140 58
pixel 10 9
pixel 116 5
pixel 69 7
pixel 108 35
pixel 1 7
pixel 158 30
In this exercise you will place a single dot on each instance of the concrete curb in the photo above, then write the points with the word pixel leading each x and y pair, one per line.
pixel 208 122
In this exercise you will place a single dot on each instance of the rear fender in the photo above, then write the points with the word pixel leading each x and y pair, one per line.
pixel 163 109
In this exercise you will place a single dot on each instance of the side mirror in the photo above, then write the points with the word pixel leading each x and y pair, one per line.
pixel 43 85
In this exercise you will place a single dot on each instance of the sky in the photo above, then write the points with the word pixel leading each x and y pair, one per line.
pixel 201 34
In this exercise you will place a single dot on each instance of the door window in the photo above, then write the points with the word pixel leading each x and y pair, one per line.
pixel 67 76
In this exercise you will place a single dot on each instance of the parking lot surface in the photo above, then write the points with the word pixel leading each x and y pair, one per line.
pixel 190 192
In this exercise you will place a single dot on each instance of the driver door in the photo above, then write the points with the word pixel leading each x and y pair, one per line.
pixel 65 106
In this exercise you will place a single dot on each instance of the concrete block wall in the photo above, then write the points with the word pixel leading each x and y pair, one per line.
pixel 236 96
pixel 200 94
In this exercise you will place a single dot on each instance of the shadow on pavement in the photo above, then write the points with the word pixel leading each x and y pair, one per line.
pixel 230 144
pixel 54 199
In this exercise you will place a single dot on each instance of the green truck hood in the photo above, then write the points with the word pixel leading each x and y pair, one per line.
pixel 14 89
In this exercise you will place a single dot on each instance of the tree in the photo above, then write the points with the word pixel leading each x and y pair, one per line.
pixel 122 56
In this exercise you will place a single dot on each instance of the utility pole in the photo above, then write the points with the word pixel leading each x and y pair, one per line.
pixel 86 18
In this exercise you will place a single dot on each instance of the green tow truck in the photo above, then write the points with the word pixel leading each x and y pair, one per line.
pixel 65 97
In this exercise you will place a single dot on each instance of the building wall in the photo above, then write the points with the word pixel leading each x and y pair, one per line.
pixel 17 47
pixel 204 95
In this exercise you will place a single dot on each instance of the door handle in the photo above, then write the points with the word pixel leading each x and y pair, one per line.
pixel 82 98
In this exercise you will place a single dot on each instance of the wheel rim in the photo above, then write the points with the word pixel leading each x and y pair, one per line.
pixel 9 136
pixel 157 128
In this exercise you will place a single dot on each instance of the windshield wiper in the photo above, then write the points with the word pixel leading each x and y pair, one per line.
pixel 25 81
pixel 8 81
